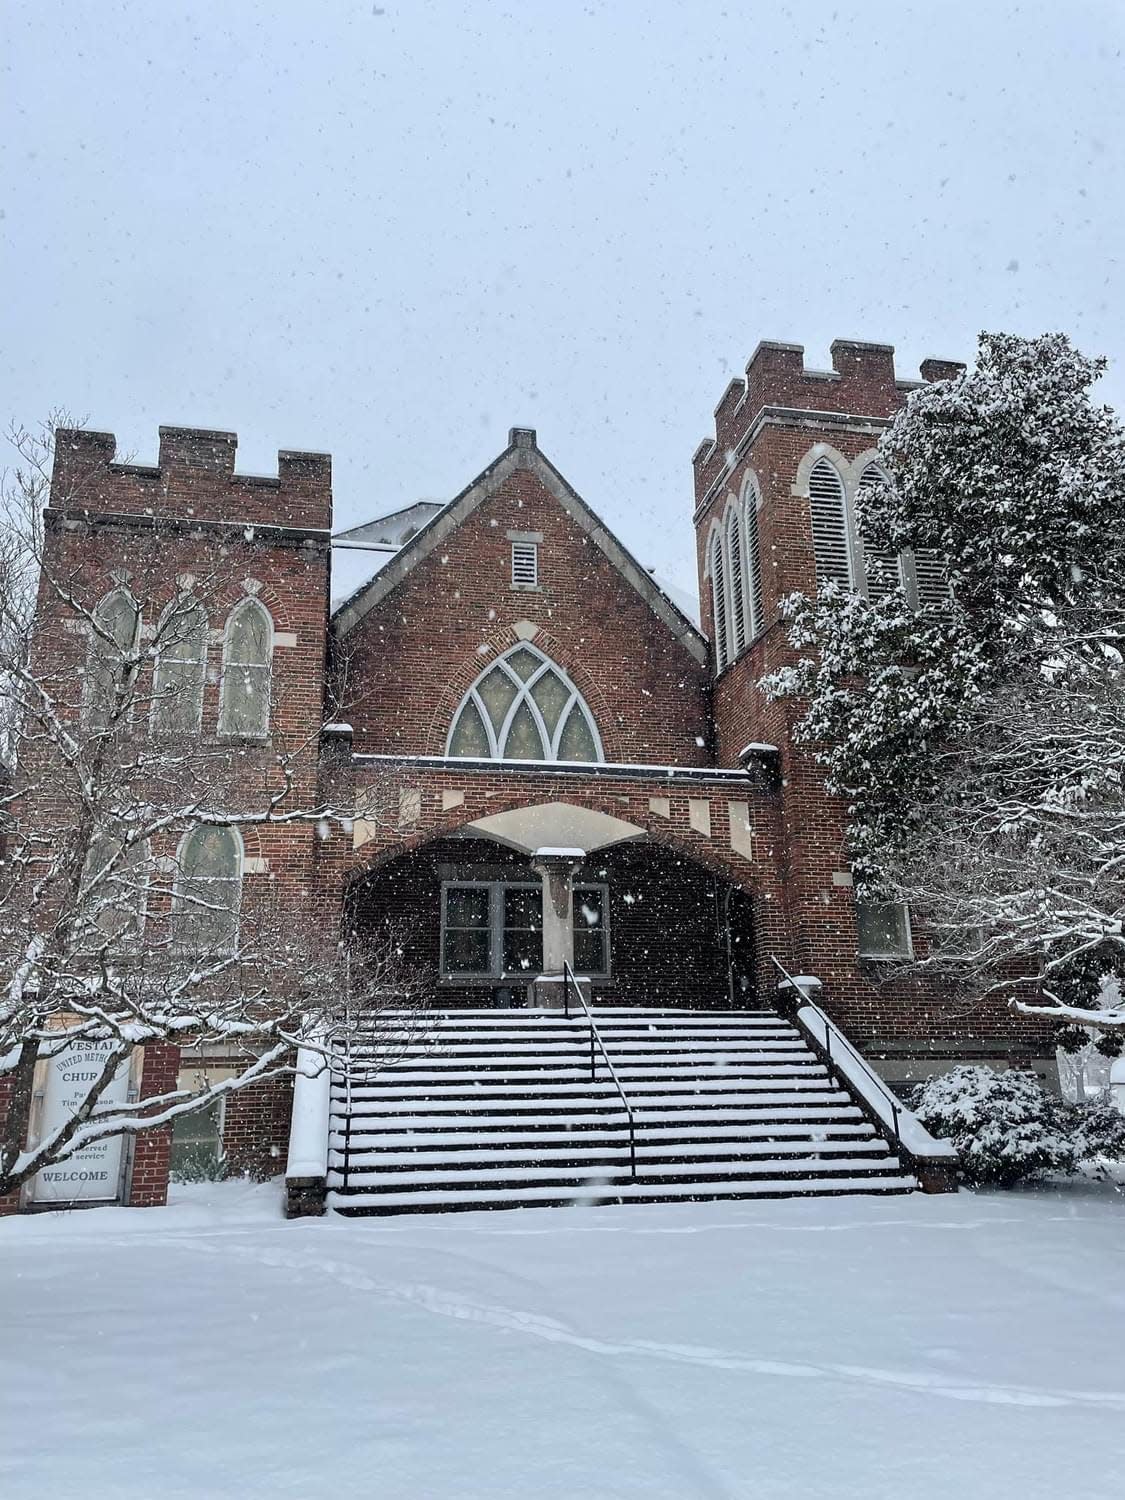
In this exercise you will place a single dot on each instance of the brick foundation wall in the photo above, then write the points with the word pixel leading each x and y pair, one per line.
pixel 148 1176
pixel 256 1128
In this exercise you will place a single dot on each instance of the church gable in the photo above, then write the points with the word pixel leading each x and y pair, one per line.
pixel 519 557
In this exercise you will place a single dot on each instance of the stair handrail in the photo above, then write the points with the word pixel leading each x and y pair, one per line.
pixel 933 1160
pixel 570 981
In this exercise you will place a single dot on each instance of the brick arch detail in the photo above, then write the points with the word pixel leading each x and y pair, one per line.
pixel 694 846
pixel 504 639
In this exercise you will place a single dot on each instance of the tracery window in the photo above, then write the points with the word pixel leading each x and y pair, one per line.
pixel 524 707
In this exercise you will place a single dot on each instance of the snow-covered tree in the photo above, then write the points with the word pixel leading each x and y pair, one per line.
pixel 980 740
pixel 125 921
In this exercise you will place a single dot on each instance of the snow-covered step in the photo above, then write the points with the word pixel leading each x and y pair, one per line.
pixel 608 1152
pixel 514 1138
pixel 447 1200
pixel 489 1108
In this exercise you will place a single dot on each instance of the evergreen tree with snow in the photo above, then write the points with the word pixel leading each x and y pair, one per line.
pixel 980 741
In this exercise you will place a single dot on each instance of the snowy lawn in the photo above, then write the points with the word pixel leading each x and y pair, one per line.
pixel 967 1346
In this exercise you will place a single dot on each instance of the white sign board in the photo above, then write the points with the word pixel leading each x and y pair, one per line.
pixel 92 1175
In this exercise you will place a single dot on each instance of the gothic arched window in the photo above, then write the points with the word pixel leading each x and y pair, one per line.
pixel 753 565
pixel 737 583
pixel 832 540
pixel 208 889
pixel 112 637
pixel 244 699
pixel 524 707
pixel 181 668
pixel 719 599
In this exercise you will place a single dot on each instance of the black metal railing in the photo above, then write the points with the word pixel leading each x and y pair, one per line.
pixel 570 983
pixel 831 1031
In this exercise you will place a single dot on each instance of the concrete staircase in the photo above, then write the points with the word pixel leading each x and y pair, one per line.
pixel 496 1109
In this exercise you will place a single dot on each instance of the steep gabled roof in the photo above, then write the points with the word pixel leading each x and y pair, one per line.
pixel 522 452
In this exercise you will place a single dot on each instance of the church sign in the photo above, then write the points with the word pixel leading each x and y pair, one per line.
pixel 93 1174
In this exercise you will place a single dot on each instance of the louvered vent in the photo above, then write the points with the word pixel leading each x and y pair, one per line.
pixel 737 599
pixel 882 566
pixel 829 525
pixel 929 575
pixel 754 564
pixel 525 565
pixel 719 601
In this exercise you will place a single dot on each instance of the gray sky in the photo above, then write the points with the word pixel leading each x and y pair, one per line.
pixel 393 231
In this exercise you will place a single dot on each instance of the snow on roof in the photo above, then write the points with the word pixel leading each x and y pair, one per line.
pixel 360 552
pixel 353 568
pixel 685 601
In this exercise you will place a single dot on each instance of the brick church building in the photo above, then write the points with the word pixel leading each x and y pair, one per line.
pixel 548 766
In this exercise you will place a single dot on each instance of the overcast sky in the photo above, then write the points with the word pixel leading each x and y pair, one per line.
pixel 393 231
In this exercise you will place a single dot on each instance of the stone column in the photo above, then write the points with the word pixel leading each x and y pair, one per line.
pixel 556 867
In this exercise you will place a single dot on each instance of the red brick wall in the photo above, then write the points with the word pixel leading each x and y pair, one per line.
pixel 415 654
pixel 148 1177
pixel 821 913
pixel 149 527
pixel 256 1128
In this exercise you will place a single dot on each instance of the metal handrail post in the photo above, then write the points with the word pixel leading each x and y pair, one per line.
pixel 595 1036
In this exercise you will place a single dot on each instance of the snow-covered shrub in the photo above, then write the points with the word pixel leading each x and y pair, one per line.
pixel 1099 1132
pixel 1005 1126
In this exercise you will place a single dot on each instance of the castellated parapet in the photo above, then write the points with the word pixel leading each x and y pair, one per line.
pixel 193 480
pixel 861 384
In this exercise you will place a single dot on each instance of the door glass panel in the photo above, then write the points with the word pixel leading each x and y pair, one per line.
pixel 523 929
pixel 551 697
pixel 465 951
pixel 577 743
pixel 590 949
pixel 524 740
pixel 466 906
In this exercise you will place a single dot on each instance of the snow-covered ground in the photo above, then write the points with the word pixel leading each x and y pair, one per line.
pixel 967 1346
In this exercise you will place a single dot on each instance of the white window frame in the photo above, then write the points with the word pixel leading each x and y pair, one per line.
pixel 96 646
pixel 720 600
pixel 905 951
pixel 498 738
pixel 851 476
pixel 750 504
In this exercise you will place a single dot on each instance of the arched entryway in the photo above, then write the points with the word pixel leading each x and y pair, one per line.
pixel 651 925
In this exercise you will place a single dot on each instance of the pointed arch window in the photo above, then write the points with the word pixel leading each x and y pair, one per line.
pixel 832 542
pixel 755 608
pixel 181 668
pixel 114 879
pixel 524 707
pixel 112 638
pixel 921 575
pixel 208 889
pixel 737 583
pixel 883 568
pixel 244 698
pixel 719 600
